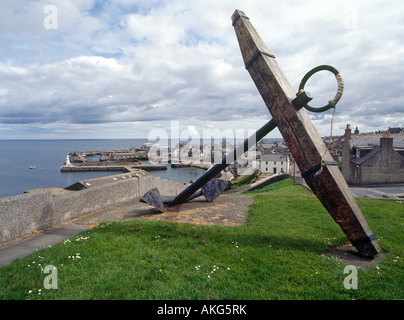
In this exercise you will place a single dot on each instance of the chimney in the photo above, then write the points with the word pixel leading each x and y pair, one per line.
pixel 386 143
pixel 348 132
pixel 346 153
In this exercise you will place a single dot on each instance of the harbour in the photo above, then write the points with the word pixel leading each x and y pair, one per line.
pixel 124 160
pixel 49 156
pixel 113 160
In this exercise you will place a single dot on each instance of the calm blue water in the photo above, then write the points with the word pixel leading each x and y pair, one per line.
pixel 16 157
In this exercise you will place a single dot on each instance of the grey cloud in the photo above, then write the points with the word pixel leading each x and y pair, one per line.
pixel 62 76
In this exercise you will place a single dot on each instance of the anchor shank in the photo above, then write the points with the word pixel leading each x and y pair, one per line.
pixel 301 137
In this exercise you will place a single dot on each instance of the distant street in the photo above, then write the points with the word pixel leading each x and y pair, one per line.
pixel 376 192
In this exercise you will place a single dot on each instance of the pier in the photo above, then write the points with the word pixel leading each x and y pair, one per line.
pixel 109 160
pixel 96 167
pixel 205 166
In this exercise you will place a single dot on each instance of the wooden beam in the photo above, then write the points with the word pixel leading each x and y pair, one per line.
pixel 302 138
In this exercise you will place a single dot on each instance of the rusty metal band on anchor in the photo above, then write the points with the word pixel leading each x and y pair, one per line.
pixel 238 17
pixel 363 240
pixel 249 63
pixel 317 167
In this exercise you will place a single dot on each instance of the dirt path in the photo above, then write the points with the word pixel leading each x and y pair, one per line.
pixel 226 210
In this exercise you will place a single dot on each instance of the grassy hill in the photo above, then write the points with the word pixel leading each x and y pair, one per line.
pixel 278 254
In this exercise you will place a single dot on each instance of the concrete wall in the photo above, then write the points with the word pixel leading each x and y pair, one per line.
pixel 40 210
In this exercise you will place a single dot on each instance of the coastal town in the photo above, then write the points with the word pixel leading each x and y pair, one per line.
pixel 364 158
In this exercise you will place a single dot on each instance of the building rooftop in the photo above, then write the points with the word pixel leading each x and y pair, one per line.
pixel 274 157
pixel 374 139
pixel 363 159
pixel 396 130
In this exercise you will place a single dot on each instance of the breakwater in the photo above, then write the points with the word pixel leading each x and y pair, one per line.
pixel 111 167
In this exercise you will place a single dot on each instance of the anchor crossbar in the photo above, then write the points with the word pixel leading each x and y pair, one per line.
pixel 226 161
pixel 212 190
pixel 205 183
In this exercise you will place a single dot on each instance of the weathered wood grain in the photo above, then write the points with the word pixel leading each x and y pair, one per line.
pixel 302 138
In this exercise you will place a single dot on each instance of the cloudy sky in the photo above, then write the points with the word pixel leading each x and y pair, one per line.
pixel 118 69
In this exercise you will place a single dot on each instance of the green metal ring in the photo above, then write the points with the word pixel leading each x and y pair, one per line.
pixel 332 103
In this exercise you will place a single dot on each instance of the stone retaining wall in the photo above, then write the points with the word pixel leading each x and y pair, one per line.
pixel 35 211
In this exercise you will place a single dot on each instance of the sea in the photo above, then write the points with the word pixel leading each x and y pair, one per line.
pixel 47 156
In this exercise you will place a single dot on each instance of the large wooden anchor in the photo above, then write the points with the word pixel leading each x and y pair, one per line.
pixel 305 144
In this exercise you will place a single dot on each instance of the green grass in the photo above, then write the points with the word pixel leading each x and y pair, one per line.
pixel 243 181
pixel 284 187
pixel 278 254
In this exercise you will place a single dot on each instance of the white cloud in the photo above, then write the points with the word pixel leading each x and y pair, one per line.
pixel 112 64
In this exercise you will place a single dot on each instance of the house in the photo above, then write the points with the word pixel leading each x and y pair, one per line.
pixel 369 159
pixel 274 163
pixel 396 130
